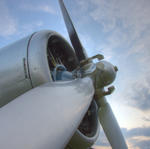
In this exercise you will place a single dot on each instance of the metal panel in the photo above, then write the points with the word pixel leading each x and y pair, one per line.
pixel 24 65
pixel 37 58
pixel 84 141
pixel 14 77
pixel 45 117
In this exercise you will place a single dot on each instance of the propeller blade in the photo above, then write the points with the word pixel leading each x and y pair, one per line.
pixel 79 50
pixel 45 117
pixel 111 127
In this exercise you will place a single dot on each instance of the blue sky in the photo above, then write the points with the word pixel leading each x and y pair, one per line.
pixel 118 29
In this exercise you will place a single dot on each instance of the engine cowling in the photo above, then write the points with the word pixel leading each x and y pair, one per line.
pixel 28 63
pixel 24 64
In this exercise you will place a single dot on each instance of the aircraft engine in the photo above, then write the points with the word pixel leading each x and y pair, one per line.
pixel 29 62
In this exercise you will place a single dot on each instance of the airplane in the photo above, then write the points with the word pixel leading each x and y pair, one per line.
pixel 52 96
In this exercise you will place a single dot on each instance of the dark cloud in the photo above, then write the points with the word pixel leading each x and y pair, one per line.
pixel 130 135
pixel 140 94
pixel 136 132
pixel 141 144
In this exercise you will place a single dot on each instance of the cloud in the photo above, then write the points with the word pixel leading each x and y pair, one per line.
pixel 135 65
pixel 27 29
pixel 8 25
pixel 103 141
pixel 147 119
pixel 40 7
pixel 136 138
pixel 140 131
pixel 139 93
pixel 140 50
pixel 119 22
pixel 125 28
pixel 141 144
pixel 100 147
pixel 126 25
pixel 47 9
pixel 124 14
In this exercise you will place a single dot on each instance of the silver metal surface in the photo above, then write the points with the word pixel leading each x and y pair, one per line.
pixel 37 58
pixel 110 126
pixel 103 73
pixel 46 117
pixel 107 73
pixel 81 140
pixel 14 76
pixel 24 65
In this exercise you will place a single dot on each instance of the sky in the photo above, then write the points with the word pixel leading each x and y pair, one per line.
pixel 118 29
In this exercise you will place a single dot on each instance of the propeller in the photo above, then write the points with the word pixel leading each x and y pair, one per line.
pixel 79 50
pixel 110 126
pixel 108 72
pixel 45 117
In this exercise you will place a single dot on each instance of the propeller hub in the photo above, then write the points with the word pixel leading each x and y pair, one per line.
pixel 106 73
